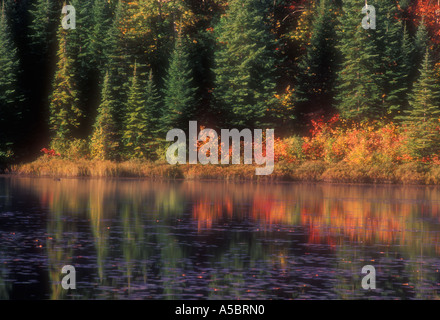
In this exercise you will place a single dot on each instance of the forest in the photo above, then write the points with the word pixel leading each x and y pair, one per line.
pixel 346 103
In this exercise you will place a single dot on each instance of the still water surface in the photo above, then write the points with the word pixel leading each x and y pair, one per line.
pixel 137 239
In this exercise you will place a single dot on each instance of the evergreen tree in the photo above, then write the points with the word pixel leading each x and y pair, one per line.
pixel 65 114
pixel 79 47
pixel 359 95
pixel 153 105
pixel 98 35
pixel 136 132
pixel 389 47
pixel 117 63
pixel 245 64
pixel 316 77
pixel 405 69
pixel 104 141
pixel 422 118
pixel 179 94
pixel 421 42
pixel 10 98
pixel 44 20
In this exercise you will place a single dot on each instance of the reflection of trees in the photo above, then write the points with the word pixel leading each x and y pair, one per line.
pixel 243 233
pixel 5 286
pixel 59 245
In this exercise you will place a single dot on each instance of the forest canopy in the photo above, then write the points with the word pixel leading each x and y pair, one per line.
pixel 130 71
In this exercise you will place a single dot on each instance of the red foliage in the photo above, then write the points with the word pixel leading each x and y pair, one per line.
pixel 429 10
pixel 50 153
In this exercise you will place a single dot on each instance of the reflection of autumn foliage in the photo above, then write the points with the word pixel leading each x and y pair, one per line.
pixel 336 215
pixel 205 211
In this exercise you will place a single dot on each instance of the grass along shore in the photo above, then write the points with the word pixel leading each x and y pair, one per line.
pixel 316 171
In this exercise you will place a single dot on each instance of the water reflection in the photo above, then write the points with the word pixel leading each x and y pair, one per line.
pixel 187 240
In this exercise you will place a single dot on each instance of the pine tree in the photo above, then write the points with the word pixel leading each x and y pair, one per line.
pixel 316 77
pixel 136 132
pixel 179 93
pixel 358 94
pixel 422 119
pixel 10 98
pixel 245 62
pixel 65 114
pixel 104 141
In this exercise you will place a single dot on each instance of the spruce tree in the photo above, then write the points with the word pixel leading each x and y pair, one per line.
pixel 43 27
pixel 118 67
pixel 10 97
pixel 104 141
pixel 358 93
pixel 316 76
pixel 421 43
pixel 98 35
pixel 422 118
pixel 65 113
pixel 136 134
pixel 153 105
pixel 179 92
pixel 390 75
pixel 245 64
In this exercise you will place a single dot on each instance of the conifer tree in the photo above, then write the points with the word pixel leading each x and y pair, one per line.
pixel 10 97
pixel 358 94
pixel 104 141
pixel 316 76
pixel 136 133
pixel 153 105
pixel 117 65
pixel 422 118
pixel 389 46
pixel 98 35
pixel 179 92
pixel 43 27
pixel 245 63
pixel 65 114
pixel 421 42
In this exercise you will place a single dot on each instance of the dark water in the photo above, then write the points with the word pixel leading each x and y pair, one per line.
pixel 133 239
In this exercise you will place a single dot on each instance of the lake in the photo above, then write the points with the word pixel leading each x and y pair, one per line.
pixel 142 239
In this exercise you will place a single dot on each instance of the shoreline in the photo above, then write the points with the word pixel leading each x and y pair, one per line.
pixel 412 173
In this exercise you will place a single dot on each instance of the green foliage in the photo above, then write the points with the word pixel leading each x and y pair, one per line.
pixel 394 56
pixel 422 118
pixel 153 105
pixel 104 141
pixel 316 75
pixel 10 96
pixel 136 133
pixel 45 17
pixel 245 63
pixel 179 93
pixel 358 91
pixel 65 113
